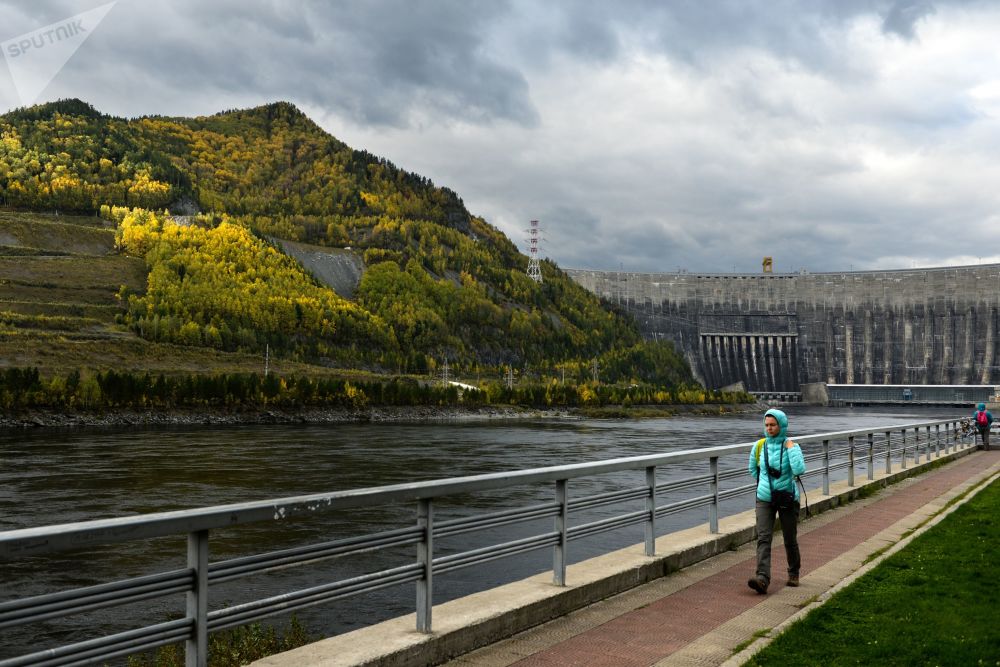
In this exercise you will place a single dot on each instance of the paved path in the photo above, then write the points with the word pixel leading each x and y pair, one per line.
pixel 701 615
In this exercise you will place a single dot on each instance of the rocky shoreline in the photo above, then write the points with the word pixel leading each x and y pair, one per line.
pixel 39 418
pixel 308 415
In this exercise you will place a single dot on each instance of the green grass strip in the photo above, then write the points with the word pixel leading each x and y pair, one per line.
pixel 935 602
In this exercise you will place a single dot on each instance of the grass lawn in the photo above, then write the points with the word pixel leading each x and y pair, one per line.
pixel 936 602
pixel 57 353
pixel 73 235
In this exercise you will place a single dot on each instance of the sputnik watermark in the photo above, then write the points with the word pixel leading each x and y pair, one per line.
pixel 42 39
pixel 35 58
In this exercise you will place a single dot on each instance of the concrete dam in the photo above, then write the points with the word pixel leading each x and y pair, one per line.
pixel 775 332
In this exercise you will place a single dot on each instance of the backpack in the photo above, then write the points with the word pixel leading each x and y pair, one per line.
pixel 980 418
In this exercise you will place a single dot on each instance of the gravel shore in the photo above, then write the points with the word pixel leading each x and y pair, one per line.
pixel 309 415
pixel 336 415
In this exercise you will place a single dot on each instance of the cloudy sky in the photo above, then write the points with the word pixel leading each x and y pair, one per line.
pixel 644 135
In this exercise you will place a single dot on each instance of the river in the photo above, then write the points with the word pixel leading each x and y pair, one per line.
pixel 50 476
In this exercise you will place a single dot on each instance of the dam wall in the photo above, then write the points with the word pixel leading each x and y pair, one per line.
pixel 775 332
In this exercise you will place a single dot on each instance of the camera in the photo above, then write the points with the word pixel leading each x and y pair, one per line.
pixel 773 472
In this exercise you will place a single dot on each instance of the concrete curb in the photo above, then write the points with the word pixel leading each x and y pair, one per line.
pixel 484 618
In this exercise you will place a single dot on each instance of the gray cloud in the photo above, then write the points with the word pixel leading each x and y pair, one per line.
pixel 903 15
pixel 378 62
pixel 645 135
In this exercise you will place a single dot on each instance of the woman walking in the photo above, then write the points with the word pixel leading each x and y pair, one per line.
pixel 776 461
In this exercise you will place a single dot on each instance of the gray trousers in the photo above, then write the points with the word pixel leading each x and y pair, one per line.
pixel 765 530
pixel 984 435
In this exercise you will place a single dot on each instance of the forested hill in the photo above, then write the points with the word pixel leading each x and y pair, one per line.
pixel 267 161
pixel 439 284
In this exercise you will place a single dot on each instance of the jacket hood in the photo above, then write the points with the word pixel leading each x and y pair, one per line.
pixel 981 407
pixel 782 423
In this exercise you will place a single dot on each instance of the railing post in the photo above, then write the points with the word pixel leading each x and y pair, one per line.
pixel 713 509
pixel 902 433
pixel 927 445
pixel 425 556
pixel 651 511
pixel 937 441
pixel 196 646
pixel 871 456
pixel 888 452
pixel 562 524
pixel 826 467
pixel 850 460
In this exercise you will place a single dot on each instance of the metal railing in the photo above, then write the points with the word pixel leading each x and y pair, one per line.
pixel 846 450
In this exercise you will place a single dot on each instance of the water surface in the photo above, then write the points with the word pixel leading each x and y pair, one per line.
pixel 50 476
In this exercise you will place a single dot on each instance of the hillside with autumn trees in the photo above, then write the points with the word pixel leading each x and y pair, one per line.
pixel 203 203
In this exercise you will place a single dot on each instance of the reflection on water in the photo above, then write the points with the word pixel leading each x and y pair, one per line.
pixel 61 476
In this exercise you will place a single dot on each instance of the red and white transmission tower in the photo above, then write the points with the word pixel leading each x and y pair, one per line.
pixel 534 238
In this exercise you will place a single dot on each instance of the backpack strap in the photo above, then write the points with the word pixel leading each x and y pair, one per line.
pixel 767 464
pixel 756 455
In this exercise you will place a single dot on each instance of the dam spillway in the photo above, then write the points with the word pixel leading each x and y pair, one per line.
pixel 775 332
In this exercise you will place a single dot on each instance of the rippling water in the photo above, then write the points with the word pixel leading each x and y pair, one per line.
pixel 61 476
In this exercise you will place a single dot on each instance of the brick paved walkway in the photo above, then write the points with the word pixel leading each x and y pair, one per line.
pixel 697 616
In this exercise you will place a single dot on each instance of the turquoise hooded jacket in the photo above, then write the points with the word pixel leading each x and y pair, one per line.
pixel 792 462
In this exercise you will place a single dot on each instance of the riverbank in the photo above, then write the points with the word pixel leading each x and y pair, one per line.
pixel 38 418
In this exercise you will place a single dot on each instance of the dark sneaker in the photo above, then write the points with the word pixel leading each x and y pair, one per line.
pixel 793 580
pixel 759 584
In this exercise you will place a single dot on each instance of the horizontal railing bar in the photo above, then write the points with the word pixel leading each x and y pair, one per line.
pixel 443 561
pixel 455 561
pixel 90 651
pixel 158 640
pixel 305 597
pixel 285 608
pixel 681 505
pixel 548 542
pixel 732 473
pixel 173 576
pixel 92 603
pixel 334 586
pixel 241 567
pixel 586 502
pixel 461 521
pixel 607 525
pixel 282 605
pixel 31 541
pixel 641 514
pixel 152 642
pixel 833 453
pixel 540 512
pixel 680 485
pixel 737 491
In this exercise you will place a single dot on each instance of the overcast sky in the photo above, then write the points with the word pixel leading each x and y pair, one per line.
pixel 644 135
